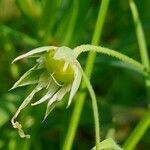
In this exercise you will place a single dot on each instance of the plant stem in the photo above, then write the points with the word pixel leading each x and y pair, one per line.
pixel 140 35
pixel 138 132
pixel 94 105
pixel 47 18
pixel 144 123
pixel 83 48
pixel 141 42
pixel 72 23
pixel 89 66
pixel 31 8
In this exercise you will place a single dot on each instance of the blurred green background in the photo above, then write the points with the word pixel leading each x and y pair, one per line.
pixel 121 93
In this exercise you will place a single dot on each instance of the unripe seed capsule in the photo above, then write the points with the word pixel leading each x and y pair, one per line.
pixel 55 67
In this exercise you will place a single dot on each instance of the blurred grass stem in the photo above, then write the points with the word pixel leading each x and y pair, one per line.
pixel 138 132
pixel 88 70
pixel 72 23
pixel 144 123
pixel 141 42
pixel 140 35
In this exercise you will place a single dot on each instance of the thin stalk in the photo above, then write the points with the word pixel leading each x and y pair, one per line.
pixel 140 35
pixel 88 70
pixel 72 23
pixel 141 42
pixel 144 123
pixel 109 52
pixel 95 107
pixel 47 19
pixel 138 132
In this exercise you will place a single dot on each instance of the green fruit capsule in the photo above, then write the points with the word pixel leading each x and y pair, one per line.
pixel 55 67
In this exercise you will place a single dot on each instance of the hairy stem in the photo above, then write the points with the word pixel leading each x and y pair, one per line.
pixel 89 66
pixel 83 48
pixel 94 105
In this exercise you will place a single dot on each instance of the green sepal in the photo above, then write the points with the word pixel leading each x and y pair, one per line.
pixel 28 78
pixel 34 52
pixel 56 98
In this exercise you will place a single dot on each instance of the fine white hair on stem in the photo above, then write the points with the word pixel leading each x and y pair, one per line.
pixel 109 52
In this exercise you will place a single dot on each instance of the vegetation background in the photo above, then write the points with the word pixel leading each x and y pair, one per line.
pixel 121 92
